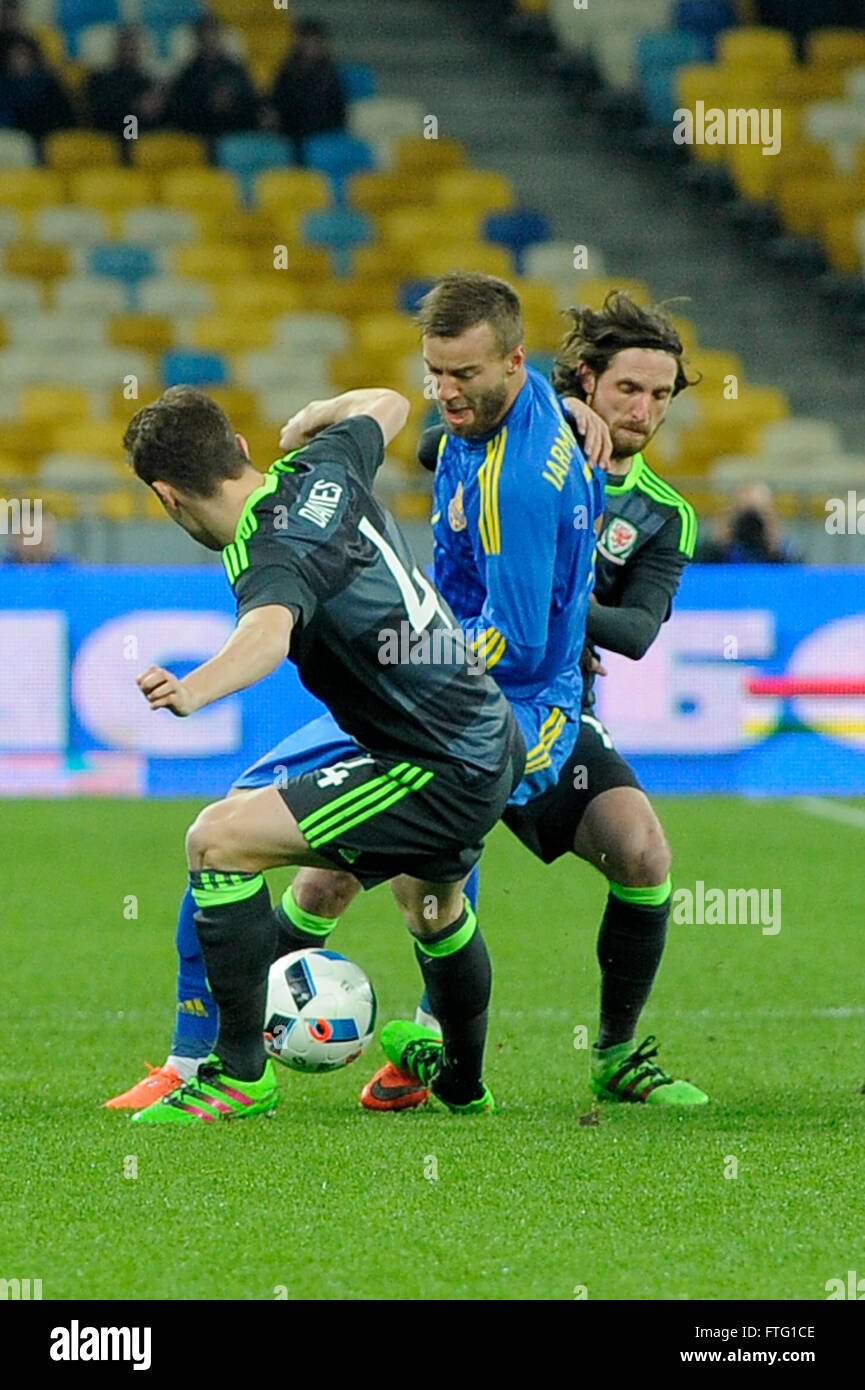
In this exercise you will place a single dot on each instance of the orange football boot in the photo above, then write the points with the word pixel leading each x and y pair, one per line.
pixel 391 1089
pixel 158 1083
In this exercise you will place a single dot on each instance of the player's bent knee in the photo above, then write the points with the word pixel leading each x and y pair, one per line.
pixel 208 840
pixel 324 892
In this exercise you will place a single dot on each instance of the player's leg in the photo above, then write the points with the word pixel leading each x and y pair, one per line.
pixel 228 847
pixel 424 1014
pixel 456 968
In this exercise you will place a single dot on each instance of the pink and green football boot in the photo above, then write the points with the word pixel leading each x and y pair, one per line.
pixel 211 1095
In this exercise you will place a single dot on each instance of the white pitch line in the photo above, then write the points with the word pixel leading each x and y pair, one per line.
pixel 830 810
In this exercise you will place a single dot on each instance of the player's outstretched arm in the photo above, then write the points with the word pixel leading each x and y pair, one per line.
pixel 389 408
pixel 256 647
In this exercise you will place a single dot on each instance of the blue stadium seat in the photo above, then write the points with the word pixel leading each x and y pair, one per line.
pixel 183 367
pixel 519 229
pixel 410 294
pixel 75 15
pixel 708 18
pixel 338 230
pixel 124 261
pixel 542 362
pixel 658 56
pixel 338 156
pixel 168 14
pixel 249 153
pixel 358 81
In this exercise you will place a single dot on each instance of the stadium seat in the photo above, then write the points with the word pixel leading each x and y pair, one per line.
pixel 51 404
pixel 19 295
pixel 412 227
pixel 518 230
pixel 17 150
pixel 238 402
pixel 657 58
pixel 83 436
pixel 97 46
pixel 271 369
pixel 756 46
pixel 279 403
pixel 182 367
pixel 73 16
pixel 385 119
pixel 213 261
pixel 28 189
pixel 111 189
pixel 125 262
pixel 358 81
pixel 79 470
pixel 208 191
pixel 383 261
pixel 554 260
pixel 292 192
pixel 248 154
pixel 338 230
pixel 385 334
pixel 218 333
pixel 158 227
pixel 446 257
pixel 801 437
pixel 39 259
pixel 338 156
pixel 172 296
pixel 58 328
pixel 476 188
pixel 411 292
pixel 145 332
pixel 313 334
pixel 257 296
pixel 155 14
pixel 90 295
pixel 387 192
pixel 835 48
pixel 414 154
pixel 838 124
pixel 705 18
pixel 158 150
pixel 70 226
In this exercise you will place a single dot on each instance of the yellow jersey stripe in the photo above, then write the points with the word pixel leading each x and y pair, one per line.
pixel 495 653
pixel 483 516
pixel 488 477
pixel 484 637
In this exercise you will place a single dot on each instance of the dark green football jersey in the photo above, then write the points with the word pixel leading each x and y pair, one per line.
pixel 373 639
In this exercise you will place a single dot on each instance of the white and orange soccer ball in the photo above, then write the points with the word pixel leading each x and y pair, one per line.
pixel 320 1013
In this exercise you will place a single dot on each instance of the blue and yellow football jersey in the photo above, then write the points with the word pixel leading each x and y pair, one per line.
pixel 514 541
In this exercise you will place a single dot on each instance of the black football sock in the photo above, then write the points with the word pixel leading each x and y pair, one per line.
pixel 236 930
pixel 297 929
pixel 458 978
pixel 630 946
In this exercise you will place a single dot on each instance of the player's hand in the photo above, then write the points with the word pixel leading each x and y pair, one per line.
pixel 300 429
pixel 162 690
pixel 590 662
pixel 593 431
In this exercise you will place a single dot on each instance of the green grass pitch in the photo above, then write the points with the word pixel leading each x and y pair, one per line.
pixel 330 1202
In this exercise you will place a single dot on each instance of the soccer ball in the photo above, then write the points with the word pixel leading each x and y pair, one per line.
pixel 320 1011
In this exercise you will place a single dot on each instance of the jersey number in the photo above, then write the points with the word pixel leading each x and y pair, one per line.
pixel 420 609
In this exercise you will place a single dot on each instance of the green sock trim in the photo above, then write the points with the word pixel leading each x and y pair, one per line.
pixel 448 945
pixel 213 888
pixel 303 920
pixel 643 897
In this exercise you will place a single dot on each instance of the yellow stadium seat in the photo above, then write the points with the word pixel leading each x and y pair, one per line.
pixel 534 7
pixel 687 331
pixel 714 367
pixel 98 437
pixel 289 193
pixel 802 159
pixel 475 188
pixel 384 334
pixel 52 404
pixel 247 226
pixel 239 404
pixel 148 332
pixel 39 259
pixel 263 439
pixel 446 257
pixel 66 506
pixel 25 438
pixel 219 333
pixel 159 150
pixel 756 46
pixel 351 298
pixel 594 289
pixel 258 296
pixel 835 48
pixel 50 40
pixel 267 48
pixel 112 189
pixel 351 372
pixel 803 201
pixel 379 262
pixel 213 261
pixel 799 86
pixel 379 192
pixel 412 153
pixel 422 226
pixel 70 150
pixel 28 189
pixel 208 191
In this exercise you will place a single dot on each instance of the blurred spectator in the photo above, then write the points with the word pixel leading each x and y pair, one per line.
pixel 13 30
pixel 750 533
pixel 308 97
pixel 124 89
pixel 39 547
pixel 32 97
pixel 214 93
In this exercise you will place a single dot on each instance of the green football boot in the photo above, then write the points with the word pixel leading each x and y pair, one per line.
pixel 211 1095
pixel 418 1053
pixel 627 1073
